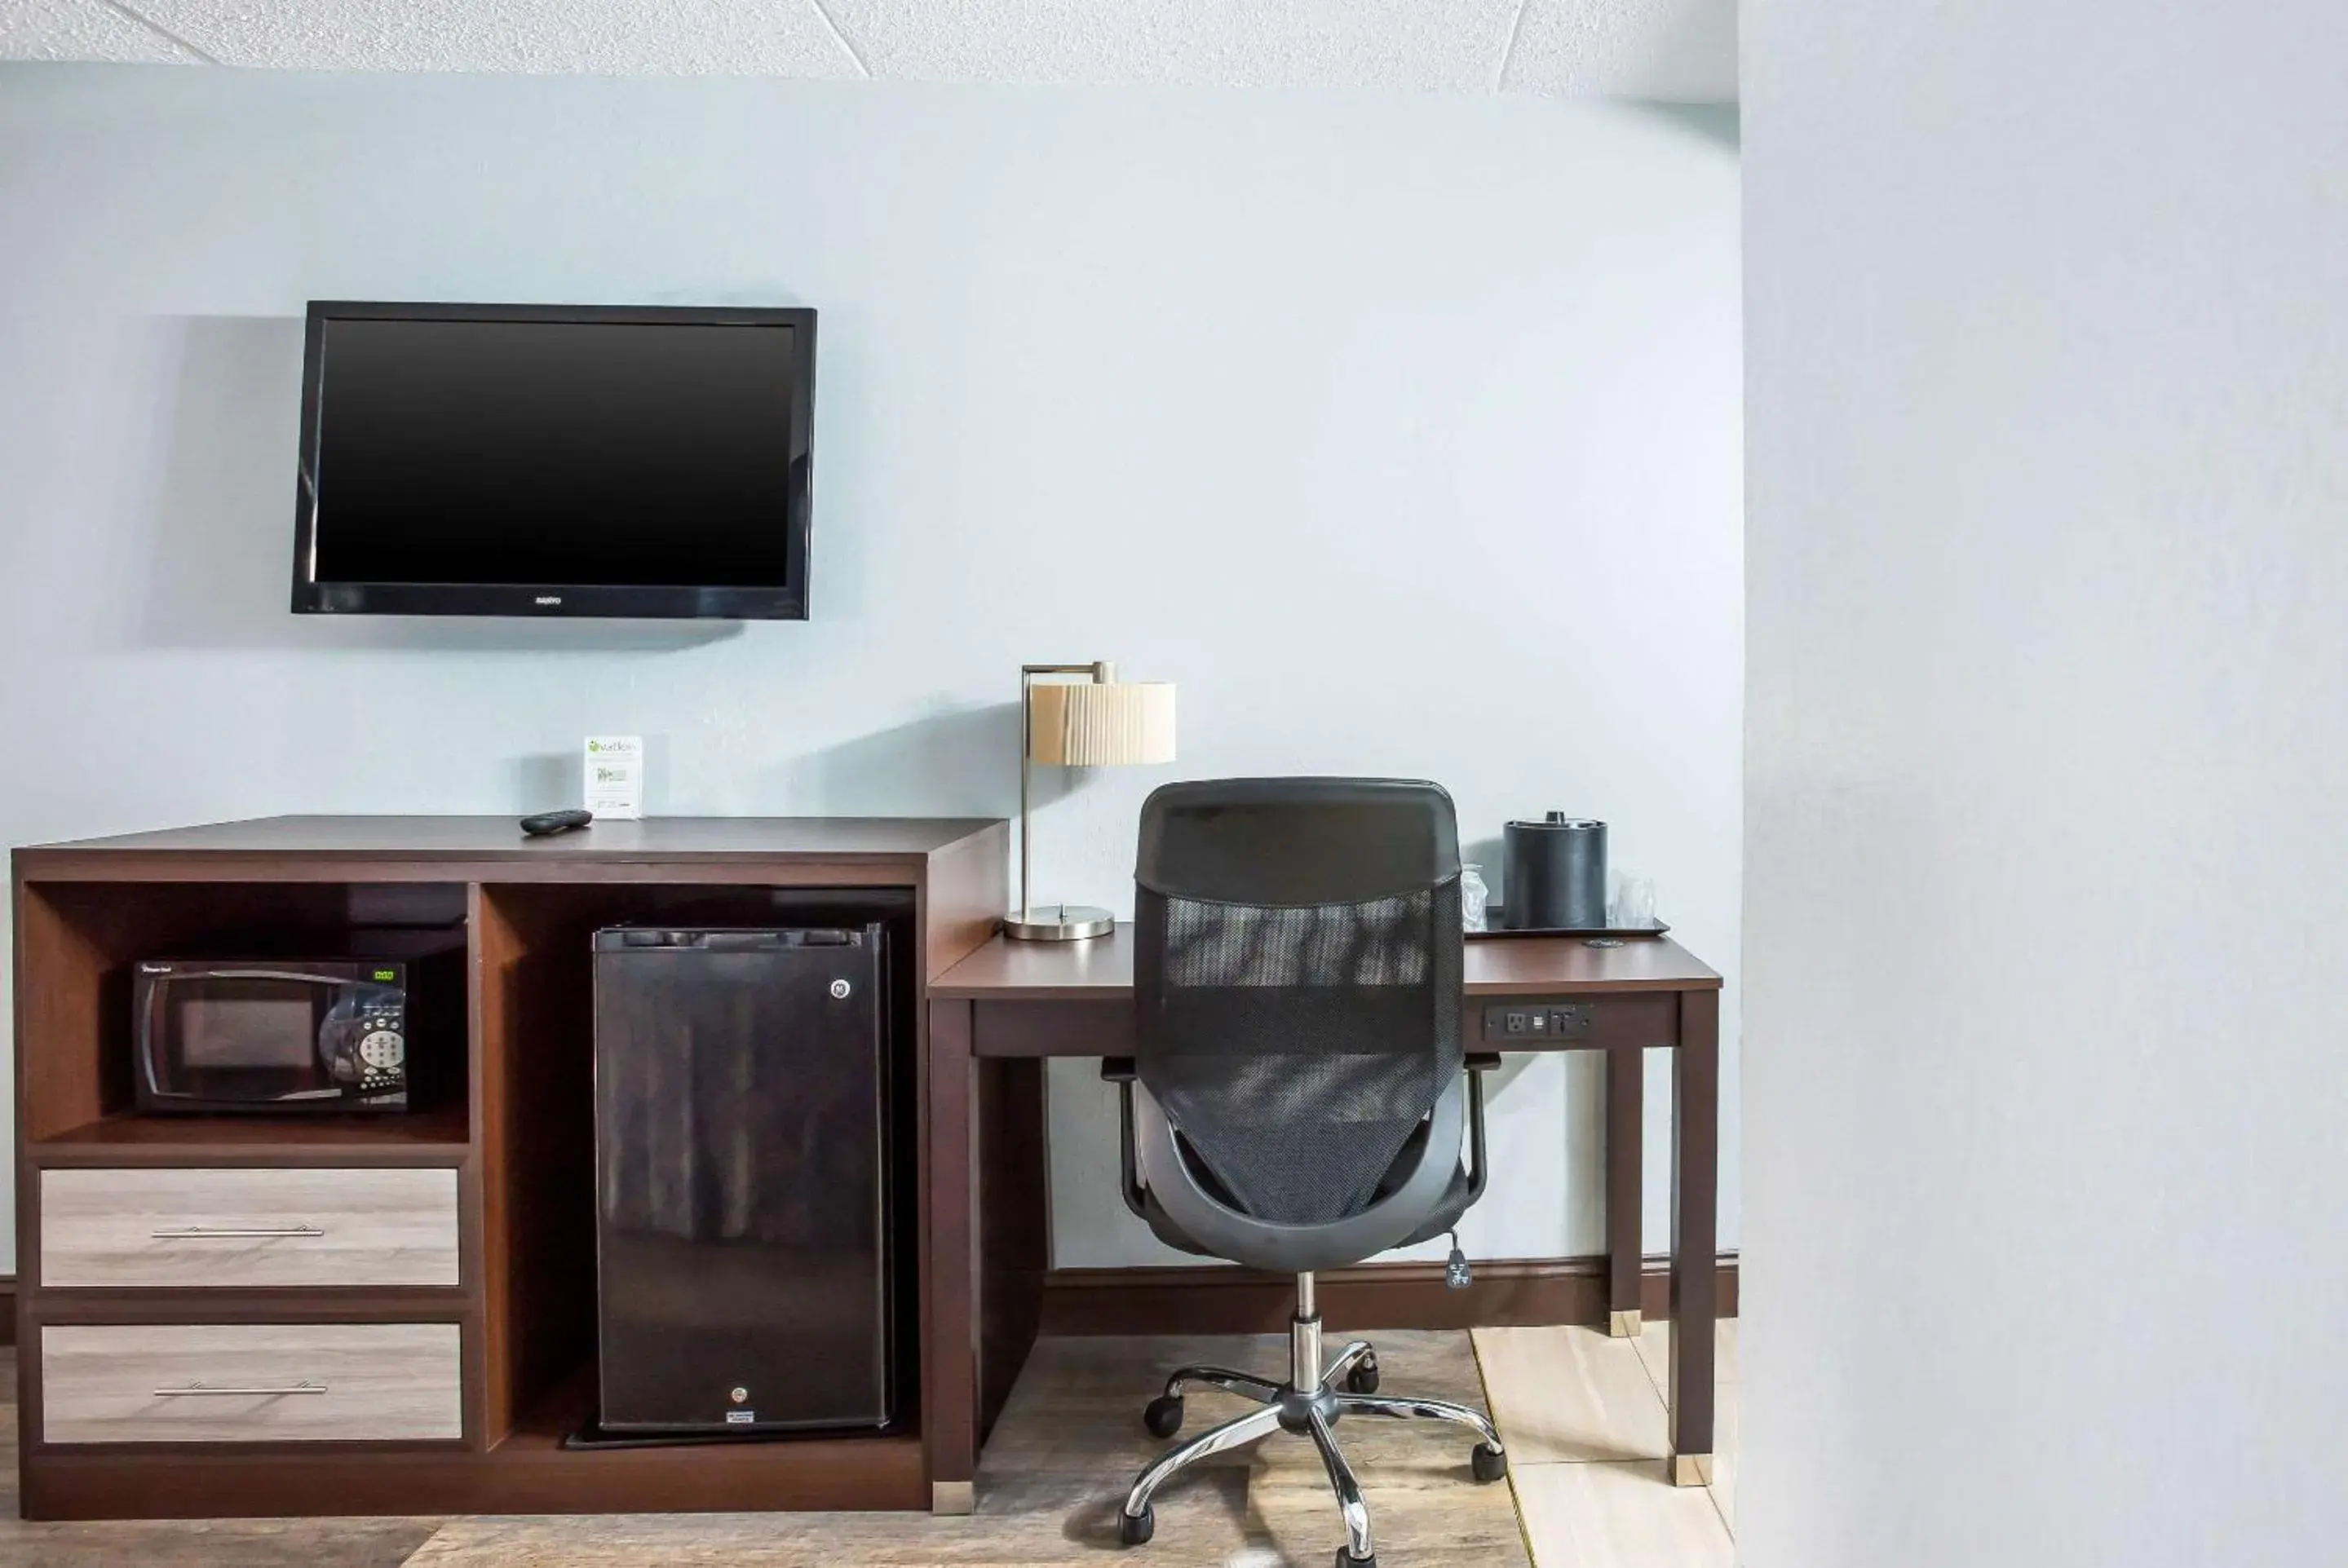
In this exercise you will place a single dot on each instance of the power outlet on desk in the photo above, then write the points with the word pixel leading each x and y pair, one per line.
pixel 1529 1023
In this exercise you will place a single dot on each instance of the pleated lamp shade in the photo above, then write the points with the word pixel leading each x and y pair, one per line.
pixel 1097 724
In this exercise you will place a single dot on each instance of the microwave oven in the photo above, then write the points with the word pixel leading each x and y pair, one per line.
pixel 296 1035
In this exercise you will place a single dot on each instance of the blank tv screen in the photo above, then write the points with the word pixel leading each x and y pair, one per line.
pixel 574 453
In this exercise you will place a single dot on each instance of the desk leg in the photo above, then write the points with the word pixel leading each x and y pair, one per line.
pixel 949 1307
pixel 1696 1205
pixel 1011 1177
pixel 1626 1071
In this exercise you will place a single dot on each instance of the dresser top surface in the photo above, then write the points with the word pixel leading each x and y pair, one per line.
pixel 477 838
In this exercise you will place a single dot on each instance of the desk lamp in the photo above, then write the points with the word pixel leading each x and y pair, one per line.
pixel 1096 722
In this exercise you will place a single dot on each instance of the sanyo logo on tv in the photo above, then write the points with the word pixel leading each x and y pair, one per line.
pixel 548 601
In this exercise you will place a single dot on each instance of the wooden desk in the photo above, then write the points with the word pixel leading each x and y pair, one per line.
pixel 516 1142
pixel 996 1016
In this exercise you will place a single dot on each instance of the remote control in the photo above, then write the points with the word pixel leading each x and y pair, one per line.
pixel 548 822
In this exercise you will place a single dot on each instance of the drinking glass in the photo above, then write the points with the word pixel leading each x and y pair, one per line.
pixel 1473 897
pixel 1633 907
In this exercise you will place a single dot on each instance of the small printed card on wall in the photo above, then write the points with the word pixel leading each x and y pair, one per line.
pixel 615 776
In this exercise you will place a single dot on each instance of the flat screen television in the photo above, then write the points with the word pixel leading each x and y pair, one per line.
pixel 554 460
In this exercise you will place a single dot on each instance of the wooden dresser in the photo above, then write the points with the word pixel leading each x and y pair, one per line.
pixel 392 1314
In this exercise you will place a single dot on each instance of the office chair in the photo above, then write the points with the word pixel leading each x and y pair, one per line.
pixel 1299 1093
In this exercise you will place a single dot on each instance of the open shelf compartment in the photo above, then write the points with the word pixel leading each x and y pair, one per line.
pixel 534 1051
pixel 78 943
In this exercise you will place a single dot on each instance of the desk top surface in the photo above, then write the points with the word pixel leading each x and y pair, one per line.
pixel 1102 969
pixel 500 837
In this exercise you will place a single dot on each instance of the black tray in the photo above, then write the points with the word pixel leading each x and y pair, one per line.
pixel 1496 917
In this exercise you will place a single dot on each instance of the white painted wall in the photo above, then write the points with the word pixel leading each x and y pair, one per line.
pixel 2047 877
pixel 1402 433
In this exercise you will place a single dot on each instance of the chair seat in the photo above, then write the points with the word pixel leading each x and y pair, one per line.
pixel 1440 1221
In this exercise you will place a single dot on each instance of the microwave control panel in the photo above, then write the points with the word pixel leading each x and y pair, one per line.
pixel 380 1061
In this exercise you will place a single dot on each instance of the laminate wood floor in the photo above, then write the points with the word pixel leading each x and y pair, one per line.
pixel 1586 1422
pixel 1582 1415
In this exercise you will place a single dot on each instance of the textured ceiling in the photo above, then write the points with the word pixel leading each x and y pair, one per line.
pixel 1676 50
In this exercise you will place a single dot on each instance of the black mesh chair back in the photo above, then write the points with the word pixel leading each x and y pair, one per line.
pixel 1297 980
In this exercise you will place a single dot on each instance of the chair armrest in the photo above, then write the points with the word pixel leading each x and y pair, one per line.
pixel 1118 1070
pixel 1479 1062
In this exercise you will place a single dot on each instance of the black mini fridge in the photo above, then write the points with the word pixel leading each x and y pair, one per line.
pixel 743 1243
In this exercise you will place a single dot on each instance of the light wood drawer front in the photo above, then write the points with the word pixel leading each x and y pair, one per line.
pixel 249 1227
pixel 221 1383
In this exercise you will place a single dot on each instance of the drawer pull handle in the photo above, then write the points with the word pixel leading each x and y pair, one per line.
pixel 304 1387
pixel 233 1232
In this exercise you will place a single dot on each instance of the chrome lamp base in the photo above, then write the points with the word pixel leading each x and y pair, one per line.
pixel 1057 922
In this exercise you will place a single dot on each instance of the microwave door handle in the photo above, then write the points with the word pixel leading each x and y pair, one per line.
pixel 275 975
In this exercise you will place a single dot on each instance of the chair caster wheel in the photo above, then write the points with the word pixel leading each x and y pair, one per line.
pixel 1488 1462
pixel 1362 1377
pixel 1345 1559
pixel 1135 1532
pixel 1163 1417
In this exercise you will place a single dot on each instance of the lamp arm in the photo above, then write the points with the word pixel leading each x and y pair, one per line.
pixel 1099 671
pixel 1027 745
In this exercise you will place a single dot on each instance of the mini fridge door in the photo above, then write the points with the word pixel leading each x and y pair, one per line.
pixel 741 1149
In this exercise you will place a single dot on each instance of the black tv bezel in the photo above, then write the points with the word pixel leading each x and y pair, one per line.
pixel 555 597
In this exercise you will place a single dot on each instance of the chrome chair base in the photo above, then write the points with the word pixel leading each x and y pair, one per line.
pixel 1310 1404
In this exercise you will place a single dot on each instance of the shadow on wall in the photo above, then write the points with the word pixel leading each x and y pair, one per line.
pixel 955 762
pixel 549 781
pixel 1484 854
pixel 218 520
pixel 1719 124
